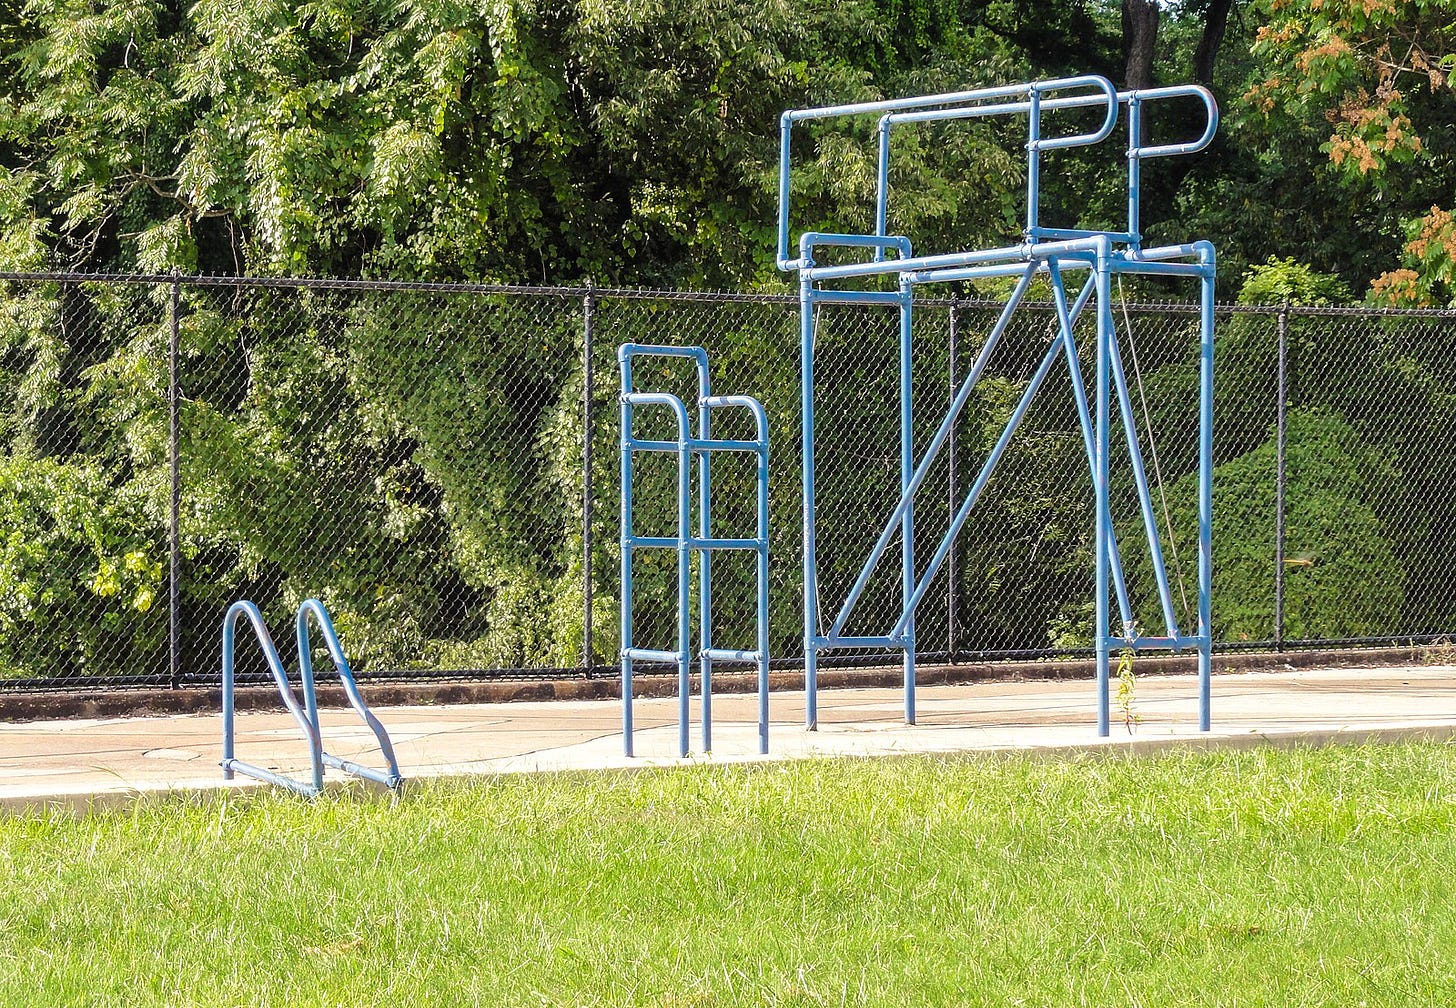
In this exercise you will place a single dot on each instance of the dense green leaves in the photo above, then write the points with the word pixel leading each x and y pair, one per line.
pixel 636 143
pixel 1336 545
pixel 1378 72
pixel 81 573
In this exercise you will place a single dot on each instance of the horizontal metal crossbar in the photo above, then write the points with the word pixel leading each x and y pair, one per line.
pixel 861 641
pixel 231 766
pixel 694 543
pixel 651 654
pixel 695 445
pixel 1159 643
pixel 731 655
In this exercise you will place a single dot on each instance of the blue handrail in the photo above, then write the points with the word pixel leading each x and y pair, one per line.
pixel 1049 251
pixel 230 764
pixel 315 609
pixel 306 715
pixel 686 447
pixel 1032 100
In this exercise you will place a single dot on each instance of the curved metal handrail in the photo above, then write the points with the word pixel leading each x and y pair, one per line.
pixel 315 608
pixel 1134 99
pixel 1138 152
pixel 1088 91
pixel 975 103
pixel 1103 94
pixel 230 764
pixel 687 447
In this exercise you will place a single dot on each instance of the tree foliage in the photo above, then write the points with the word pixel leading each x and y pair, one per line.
pixel 1379 72
pixel 1336 545
pixel 629 143
pixel 429 138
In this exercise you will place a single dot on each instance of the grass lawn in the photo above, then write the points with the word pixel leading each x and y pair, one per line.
pixel 1289 878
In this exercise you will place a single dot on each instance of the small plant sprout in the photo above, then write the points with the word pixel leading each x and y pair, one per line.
pixel 1126 689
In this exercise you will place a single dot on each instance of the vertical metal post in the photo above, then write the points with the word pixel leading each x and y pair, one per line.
pixel 684 582
pixel 761 641
pixel 1033 163
pixel 228 703
pixel 624 544
pixel 907 469
pixel 1205 492
pixel 1134 170
pixel 588 308
pixel 952 580
pixel 705 559
pixel 1100 478
pixel 1279 461
pixel 806 459
pixel 174 519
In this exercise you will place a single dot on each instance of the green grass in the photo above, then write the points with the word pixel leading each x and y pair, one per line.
pixel 1314 877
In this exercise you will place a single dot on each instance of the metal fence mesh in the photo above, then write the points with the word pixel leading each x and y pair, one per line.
pixel 439 465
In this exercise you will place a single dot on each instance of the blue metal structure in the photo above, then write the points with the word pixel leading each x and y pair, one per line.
pixel 306 716
pixel 686 447
pixel 1050 251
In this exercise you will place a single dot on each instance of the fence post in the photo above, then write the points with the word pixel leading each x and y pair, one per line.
pixel 1279 458
pixel 952 578
pixel 174 520
pixel 588 307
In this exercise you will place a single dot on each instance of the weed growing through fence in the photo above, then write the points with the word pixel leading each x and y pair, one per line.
pixel 1439 652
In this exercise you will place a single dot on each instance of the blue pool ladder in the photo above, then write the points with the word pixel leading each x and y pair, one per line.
pixel 306 716
pixel 685 446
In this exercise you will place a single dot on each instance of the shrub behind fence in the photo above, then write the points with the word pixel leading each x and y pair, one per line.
pixel 438 464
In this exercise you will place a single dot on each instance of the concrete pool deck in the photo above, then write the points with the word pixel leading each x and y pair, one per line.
pixel 79 763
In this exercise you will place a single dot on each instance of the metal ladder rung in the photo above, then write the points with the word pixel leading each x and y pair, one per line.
pixel 863 641
pixel 697 445
pixel 730 655
pixel 695 543
pixel 652 655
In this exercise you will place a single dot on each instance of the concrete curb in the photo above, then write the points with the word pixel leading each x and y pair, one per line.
pixel 195 700
pixel 84 803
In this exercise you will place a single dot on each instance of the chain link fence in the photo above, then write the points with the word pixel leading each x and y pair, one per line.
pixel 439 465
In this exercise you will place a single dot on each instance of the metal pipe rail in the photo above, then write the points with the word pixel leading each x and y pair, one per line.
pixel 230 764
pixel 1043 250
pixel 1087 91
pixel 313 609
pixel 686 543
pixel 306 716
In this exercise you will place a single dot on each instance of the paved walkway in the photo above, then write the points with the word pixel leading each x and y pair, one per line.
pixel 83 762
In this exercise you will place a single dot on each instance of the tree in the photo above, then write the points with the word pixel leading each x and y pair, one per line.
pixel 1210 40
pixel 1379 73
pixel 1343 578
pixel 1139 41
pixel 431 138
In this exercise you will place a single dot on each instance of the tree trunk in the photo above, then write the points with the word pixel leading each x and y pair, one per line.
pixel 1214 22
pixel 1139 39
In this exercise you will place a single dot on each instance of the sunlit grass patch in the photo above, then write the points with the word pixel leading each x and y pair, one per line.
pixel 1238 878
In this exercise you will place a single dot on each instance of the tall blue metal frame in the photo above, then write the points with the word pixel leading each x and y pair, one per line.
pixel 686 446
pixel 1044 250
pixel 307 716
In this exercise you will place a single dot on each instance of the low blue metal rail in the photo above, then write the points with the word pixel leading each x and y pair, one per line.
pixel 306 715
pixel 685 446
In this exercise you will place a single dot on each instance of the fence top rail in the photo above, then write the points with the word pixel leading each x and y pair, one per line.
pixel 594 292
